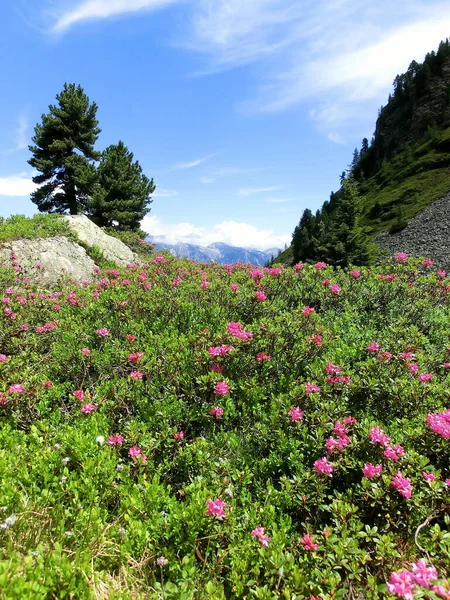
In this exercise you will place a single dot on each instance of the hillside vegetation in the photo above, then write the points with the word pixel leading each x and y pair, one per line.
pixel 187 431
pixel 404 168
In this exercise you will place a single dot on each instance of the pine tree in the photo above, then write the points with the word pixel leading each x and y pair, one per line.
pixel 123 194
pixel 301 238
pixel 64 155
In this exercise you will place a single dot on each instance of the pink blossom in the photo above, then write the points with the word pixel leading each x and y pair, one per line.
pixel 446 365
pixel 130 338
pixel 88 408
pixel 323 467
pixel 402 484
pixel 336 445
pixel 216 411
pixel 296 414
pixel 340 379
pixel 355 273
pixel 216 508
pixel 217 368
pixel 260 296
pixel 425 377
pixel 413 368
pixel 447 482
pixel 261 356
pixel 385 356
pixel 373 347
pixel 401 583
pixel 320 266
pixel 179 435
pixel 423 574
pixel 335 289
pixel 316 339
pixel 429 476
pixel 115 440
pixel 332 369
pixel 407 355
pixel 237 330
pixel 85 351
pixel 350 420
pixel 401 257
pixel 103 331
pixel 299 266
pixel 234 287
pixel 136 375
pixel 220 350
pixel 377 436
pixel 259 534
pixel 308 542
pixel 427 262
pixel 325 282
pixel 135 357
pixel 16 388
pixel 78 395
pixel 205 284
pixel 371 471
pixel 47 384
pixel 3 358
pixel 311 388
pixel 339 428
pixel 394 452
pixel 440 423
pixel 3 399
pixel 441 273
pixel 222 388
pixel 308 310
pixel 136 453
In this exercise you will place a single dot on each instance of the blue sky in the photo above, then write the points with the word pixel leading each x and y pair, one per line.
pixel 244 112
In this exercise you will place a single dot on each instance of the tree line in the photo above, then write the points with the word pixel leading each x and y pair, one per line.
pixel 109 187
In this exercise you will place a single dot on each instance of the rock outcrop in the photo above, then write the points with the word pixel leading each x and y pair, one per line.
pixel 49 261
pixel 112 248
pixel 427 234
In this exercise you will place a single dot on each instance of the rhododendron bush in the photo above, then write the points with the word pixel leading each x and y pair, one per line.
pixel 191 431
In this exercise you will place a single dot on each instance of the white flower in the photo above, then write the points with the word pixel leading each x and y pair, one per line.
pixel 10 520
pixel 63 480
pixel 57 447
pixel 65 461
pixel 162 561
pixel 100 440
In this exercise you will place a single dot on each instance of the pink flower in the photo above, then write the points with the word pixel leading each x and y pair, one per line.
pixel 427 262
pixel 296 414
pixel 308 543
pixel 316 339
pixel 220 350
pixel 88 408
pixel 308 311
pixel 85 351
pixel 103 331
pixel 260 296
pixel 205 284
pixel 47 384
pixel 217 368
pixel 402 484
pixel 311 388
pixel 336 445
pixel 413 368
pixel 136 375
pixel 447 482
pixel 259 534
pixel 423 574
pixel 350 420
pixel 3 358
pixel 371 471
pixel 373 347
pixel 355 273
pixel 325 282
pixel 222 388
pixel 136 453
pixel 441 273
pixel 179 435
pixel 299 266
pixel 446 365
pixel 115 440
pixel 216 411
pixel 401 257
pixel 377 436
pixel 425 377
pixel 234 287
pixel 335 289
pixel 320 266
pixel 237 330
pixel 130 338
pixel 135 357
pixel 394 452
pixel 3 399
pixel 385 356
pixel 16 388
pixel 401 583
pixel 263 356
pixel 440 423
pixel 323 467
pixel 332 369
pixel 216 508
pixel 429 476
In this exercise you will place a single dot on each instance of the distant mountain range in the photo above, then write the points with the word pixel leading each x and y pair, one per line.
pixel 218 252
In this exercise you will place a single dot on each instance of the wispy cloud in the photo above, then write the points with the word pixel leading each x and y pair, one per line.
pixel 20 134
pixel 278 200
pixel 17 185
pixel 234 233
pixel 262 190
pixel 192 164
pixel 89 10
pixel 163 193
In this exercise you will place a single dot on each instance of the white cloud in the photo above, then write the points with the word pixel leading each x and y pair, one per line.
pixel 228 232
pixel 17 185
pixel 101 9
pixel 163 193
pixel 193 163
pixel 21 132
pixel 278 200
pixel 263 190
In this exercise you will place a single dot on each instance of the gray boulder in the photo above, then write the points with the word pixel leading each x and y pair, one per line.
pixel 112 248
pixel 58 259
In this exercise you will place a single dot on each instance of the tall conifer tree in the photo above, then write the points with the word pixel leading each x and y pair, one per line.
pixel 64 155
